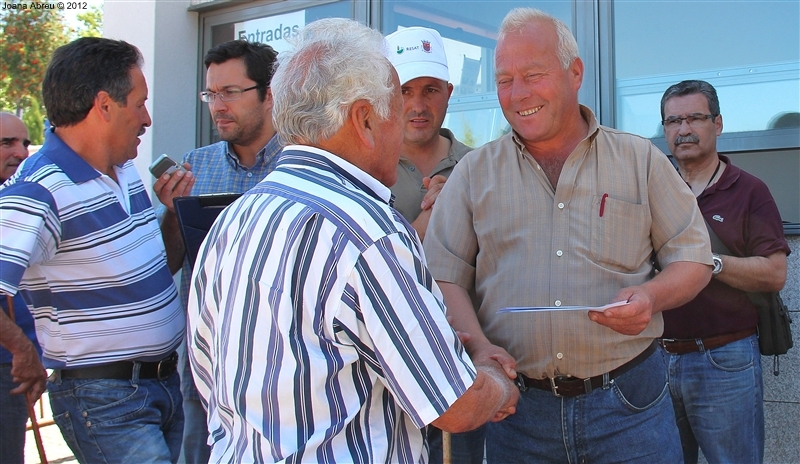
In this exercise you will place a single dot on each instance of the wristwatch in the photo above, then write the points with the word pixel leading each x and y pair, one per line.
pixel 717 264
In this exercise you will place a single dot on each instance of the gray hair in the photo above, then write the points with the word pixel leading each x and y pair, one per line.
pixel 334 63
pixel 517 19
pixel 691 87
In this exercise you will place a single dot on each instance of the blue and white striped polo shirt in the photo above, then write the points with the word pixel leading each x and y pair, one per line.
pixel 316 332
pixel 88 257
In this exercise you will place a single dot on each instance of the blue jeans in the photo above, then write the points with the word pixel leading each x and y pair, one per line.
pixel 13 417
pixel 119 421
pixel 628 420
pixel 718 399
pixel 195 449
pixel 465 448
pixel 195 433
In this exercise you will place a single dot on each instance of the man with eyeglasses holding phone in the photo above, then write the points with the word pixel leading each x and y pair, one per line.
pixel 239 98
pixel 715 363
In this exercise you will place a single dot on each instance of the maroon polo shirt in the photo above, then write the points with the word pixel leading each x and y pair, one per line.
pixel 741 211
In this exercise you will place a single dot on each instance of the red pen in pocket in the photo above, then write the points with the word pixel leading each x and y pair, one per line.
pixel 603 204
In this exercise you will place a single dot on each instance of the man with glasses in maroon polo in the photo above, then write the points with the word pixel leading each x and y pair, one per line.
pixel 239 98
pixel 714 359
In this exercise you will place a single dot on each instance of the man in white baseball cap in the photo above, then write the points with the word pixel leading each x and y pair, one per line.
pixel 427 158
pixel 429 152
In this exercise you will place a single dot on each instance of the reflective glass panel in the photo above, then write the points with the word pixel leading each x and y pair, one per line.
pixel 749 51
pixel 469 30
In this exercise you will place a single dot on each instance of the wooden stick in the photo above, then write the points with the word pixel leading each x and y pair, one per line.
pixel 37 436
pixel 447 452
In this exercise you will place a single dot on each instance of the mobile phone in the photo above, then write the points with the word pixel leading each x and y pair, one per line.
pixel 164 164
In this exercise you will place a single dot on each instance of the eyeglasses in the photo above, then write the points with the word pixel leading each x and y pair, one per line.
pixel 226 95
pixel 7 142
pixel 694 120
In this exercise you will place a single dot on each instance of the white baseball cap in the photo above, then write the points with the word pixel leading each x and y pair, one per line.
pixel 417 52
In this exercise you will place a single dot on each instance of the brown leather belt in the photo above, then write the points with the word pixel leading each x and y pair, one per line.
pixel 572 386
pixel 123 370
pixel 693 345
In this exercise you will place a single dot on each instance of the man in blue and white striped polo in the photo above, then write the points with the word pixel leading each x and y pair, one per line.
pixel 316 333
pixel 83 246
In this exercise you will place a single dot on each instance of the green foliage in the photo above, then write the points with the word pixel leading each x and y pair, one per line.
pixel 469 136
pixel 92 21
pixel 34 120
pixel 6 104
pixel 28 38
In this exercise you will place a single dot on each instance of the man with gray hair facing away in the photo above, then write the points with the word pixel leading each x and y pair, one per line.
pixel 316 332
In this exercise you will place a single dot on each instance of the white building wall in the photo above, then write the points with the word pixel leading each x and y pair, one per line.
pixel 166 33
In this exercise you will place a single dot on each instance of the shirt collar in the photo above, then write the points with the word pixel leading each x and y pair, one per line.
pixel 370 182
pixel 263 157
pixel 71 163
pixel 728 177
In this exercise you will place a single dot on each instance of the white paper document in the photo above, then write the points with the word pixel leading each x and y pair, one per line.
pixel 522 309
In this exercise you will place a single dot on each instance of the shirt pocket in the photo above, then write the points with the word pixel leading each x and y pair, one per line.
pixel 620 234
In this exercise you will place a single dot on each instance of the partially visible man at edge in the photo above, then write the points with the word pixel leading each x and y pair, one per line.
pixel 715 363
pixel 564 212
pixel 21 370
pixel 316 332
pixel 81 243
pixel 427 158
pixel 239 99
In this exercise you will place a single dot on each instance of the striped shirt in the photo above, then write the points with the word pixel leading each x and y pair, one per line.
pixel 316 332
pixel 501 231
pixel 87 255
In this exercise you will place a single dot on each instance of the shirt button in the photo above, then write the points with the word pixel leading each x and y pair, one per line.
pixel 249 174
pixel 559 253
pixel 560 355
pixel 88 423
pixel 558 303
pixel 561 206
pixel 412 168
pixel 84 414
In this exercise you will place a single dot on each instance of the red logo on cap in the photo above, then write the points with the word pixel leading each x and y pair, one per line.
pixel 426 46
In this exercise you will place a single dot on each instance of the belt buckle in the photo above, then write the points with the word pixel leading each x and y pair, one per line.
pixel 666 344
pixel 554 387
pixel 520 383
pixel 166 364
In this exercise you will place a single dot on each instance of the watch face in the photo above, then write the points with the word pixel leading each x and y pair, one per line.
pixel 717 265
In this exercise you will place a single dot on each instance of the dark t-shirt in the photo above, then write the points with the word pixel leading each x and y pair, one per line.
pixel 743 214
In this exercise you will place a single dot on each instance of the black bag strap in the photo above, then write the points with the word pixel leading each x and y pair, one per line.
pixel 717 246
